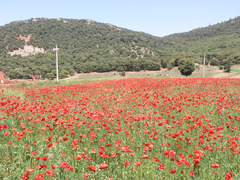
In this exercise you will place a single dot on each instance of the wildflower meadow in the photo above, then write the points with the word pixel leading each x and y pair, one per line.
pixel 168 129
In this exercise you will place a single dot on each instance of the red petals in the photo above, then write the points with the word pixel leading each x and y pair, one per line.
pixel 215 165
pixel 173 171
pixel 45 158
pixel 103 166
pixel 29 170
pixel 145 157
pixel 92 168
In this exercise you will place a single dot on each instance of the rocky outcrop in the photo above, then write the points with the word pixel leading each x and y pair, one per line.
pixel 28 50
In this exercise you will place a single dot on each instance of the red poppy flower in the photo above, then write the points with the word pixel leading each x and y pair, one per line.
pixel 29 170
pixel 45 158
pixel 65 138
pixel 54 166
pixel 6 133
pixel 27 146
pixel 50 172
pixel 161 166
pixel 50 145
pixel 215 165
pixel 85 176
pixel 103 166
pixel 220 135
pixel 145 157
pixel 126 163
pixel 92 168
pixel 173 171
pixel 193 173
pixel 138 163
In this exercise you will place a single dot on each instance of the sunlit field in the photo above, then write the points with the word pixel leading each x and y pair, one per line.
pixel 158 129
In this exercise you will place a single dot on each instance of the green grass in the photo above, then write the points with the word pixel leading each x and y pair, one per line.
pixel 235 69
pixel 14 93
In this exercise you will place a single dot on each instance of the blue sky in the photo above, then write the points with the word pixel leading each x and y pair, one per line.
pixel 156 17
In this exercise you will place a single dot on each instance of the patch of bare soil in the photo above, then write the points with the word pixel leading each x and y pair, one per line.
pixel 236 76
pixel 222 75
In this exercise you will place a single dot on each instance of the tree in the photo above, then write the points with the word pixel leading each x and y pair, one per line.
pixel 177 61
pixel 170 65
pixel 37 72
pixel 12 74
pixel 63 74
pixel 214 62
pixel 87 67
pixel 187 68
pixel 122 73
pixel 71 72
pixel 164 63
pixel 227 68
pixel 50 76
pixel 153 65
pixel 120 69
pixel 19 73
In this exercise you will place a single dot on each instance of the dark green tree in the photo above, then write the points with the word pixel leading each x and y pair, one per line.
pixel 71 72
pixel 214 62
pixel 12 74
pixel 227 68
pixel 63 74
pixel 187 68
pixel 50 76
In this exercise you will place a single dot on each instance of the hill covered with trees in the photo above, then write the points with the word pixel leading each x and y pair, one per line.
pixel 87 46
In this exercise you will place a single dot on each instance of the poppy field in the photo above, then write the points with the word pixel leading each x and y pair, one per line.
pixel 122 129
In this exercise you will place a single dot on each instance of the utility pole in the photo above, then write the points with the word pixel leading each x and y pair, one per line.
pixel 204 64
pixel 56 63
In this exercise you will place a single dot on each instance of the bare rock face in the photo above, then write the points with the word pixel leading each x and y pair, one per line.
pixel 111 52
pixel 28 50
pixel 197 66
pixel 90 22
pixel 110 25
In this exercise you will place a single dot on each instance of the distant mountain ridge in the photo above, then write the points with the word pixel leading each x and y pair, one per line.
pixel 87 43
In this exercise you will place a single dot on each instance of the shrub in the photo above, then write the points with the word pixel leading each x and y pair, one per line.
pixel 187 68
pixel 123 73
pixel 227 68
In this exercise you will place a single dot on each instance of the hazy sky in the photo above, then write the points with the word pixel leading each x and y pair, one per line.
pixel 156 17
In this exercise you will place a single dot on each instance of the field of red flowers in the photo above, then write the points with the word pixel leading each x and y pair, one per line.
pixel 122 129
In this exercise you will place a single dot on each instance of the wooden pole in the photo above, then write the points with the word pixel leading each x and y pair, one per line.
pixel 56 63
pixel 204 65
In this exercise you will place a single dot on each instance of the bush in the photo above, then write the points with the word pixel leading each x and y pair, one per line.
pixel 120 69
pixel 214 62
pixel 227 68
pixel 12 74
pixel 221 67
pixel 50 76
pixel 169 66
pixel 187 68
pixel 63 73
pixel 123 73
pixel 72 71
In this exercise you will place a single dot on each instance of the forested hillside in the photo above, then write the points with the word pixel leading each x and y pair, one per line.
pixel 86 46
